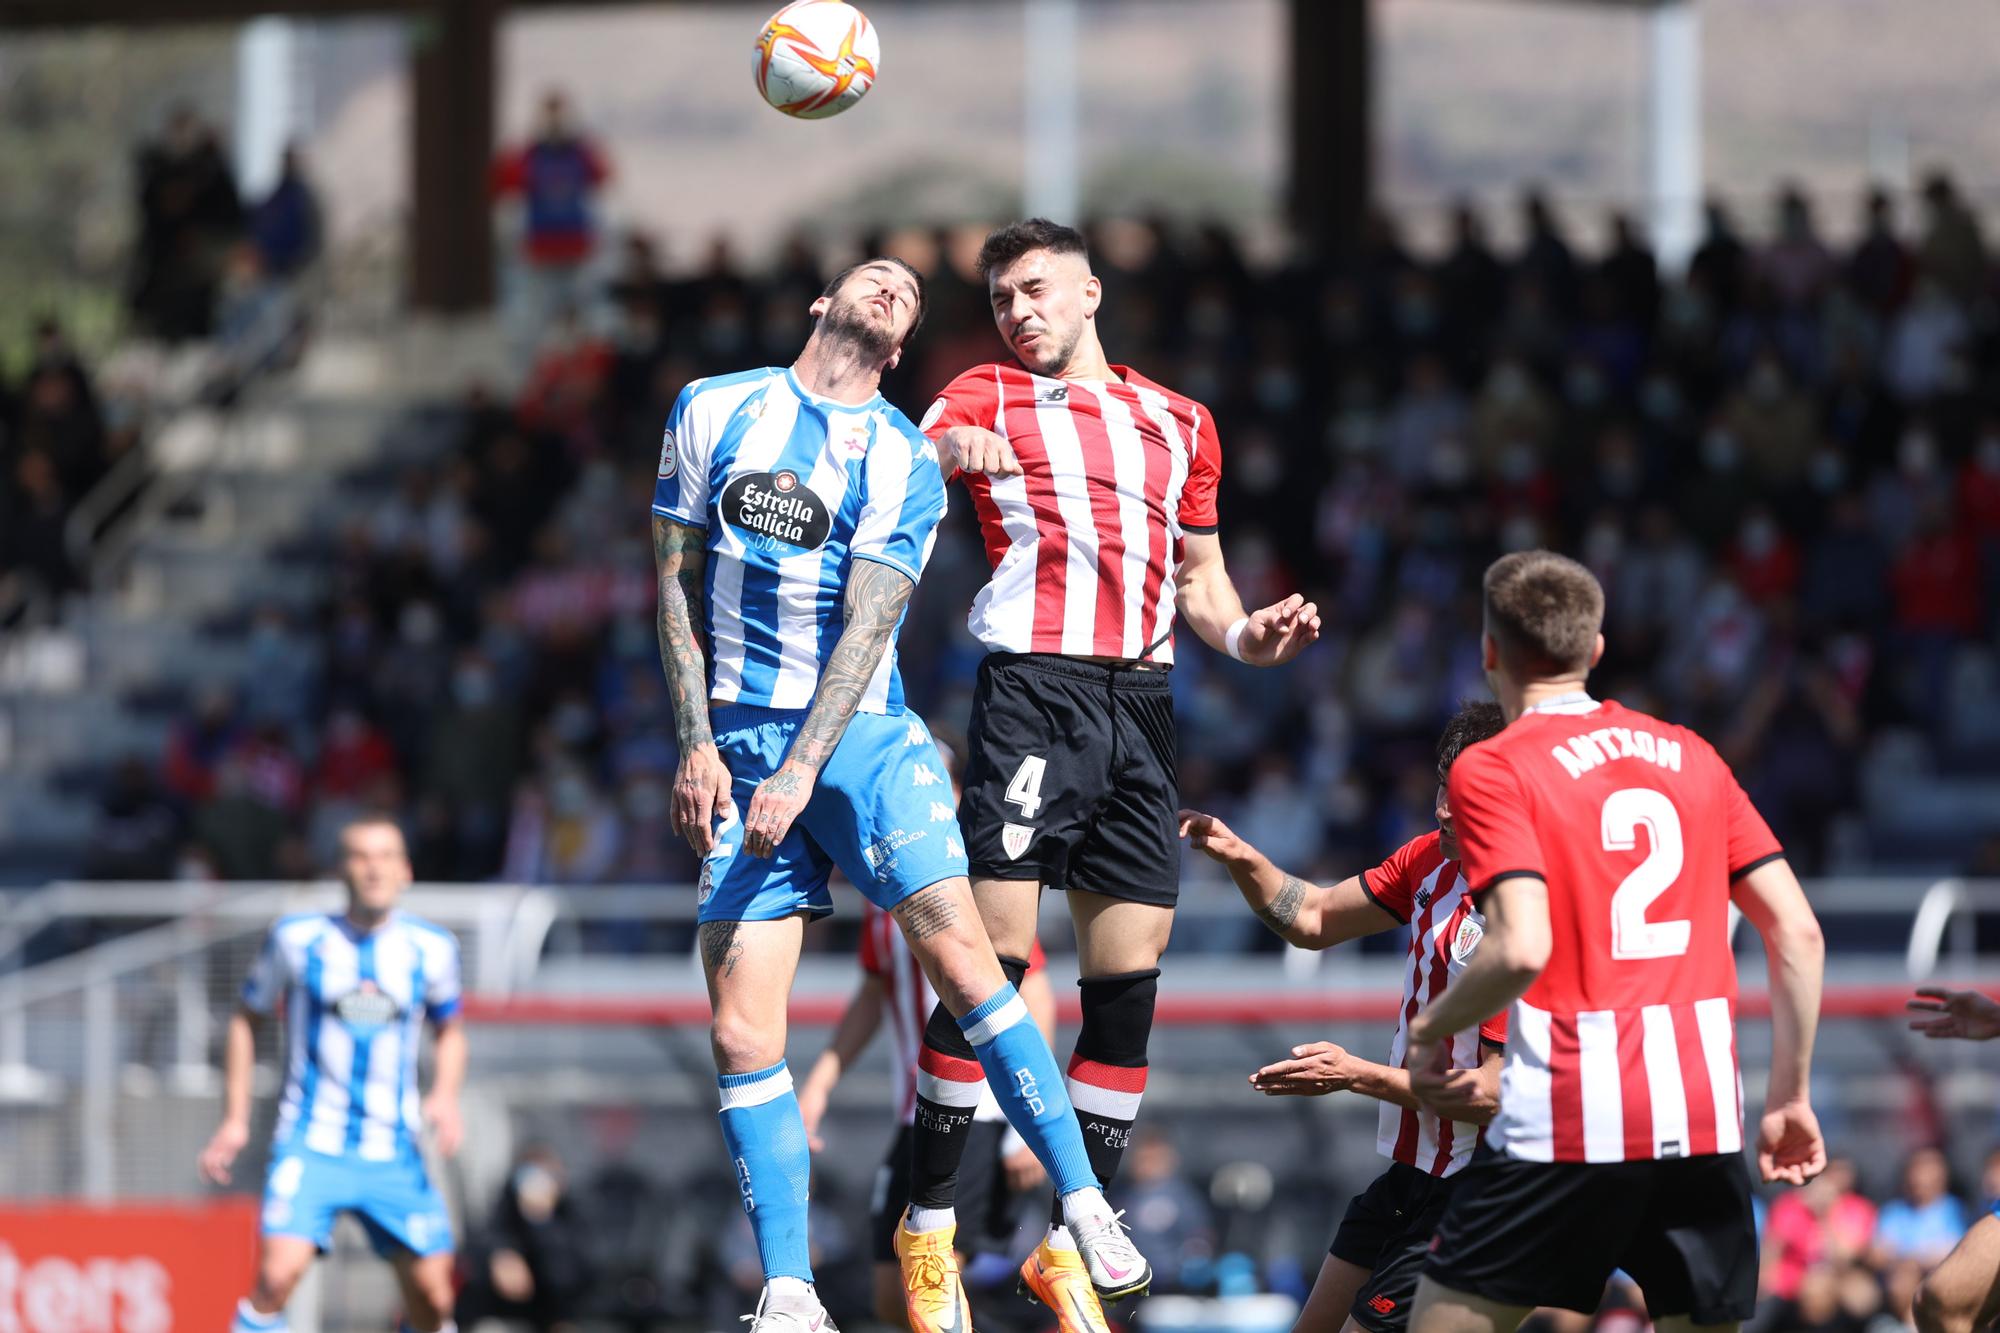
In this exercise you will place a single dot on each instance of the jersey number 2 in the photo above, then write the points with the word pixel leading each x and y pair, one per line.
pixel 1026 788
pixel 1632 935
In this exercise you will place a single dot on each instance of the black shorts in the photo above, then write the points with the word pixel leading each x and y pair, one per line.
pixel 1070 777
pixel 1552 1233
pixel 1387 1230
pixel 983 1205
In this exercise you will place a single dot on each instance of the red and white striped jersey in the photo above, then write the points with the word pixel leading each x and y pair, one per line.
pixel 1086 543
pixel 1424 891
pixel 907 1003
pixel 1624 1048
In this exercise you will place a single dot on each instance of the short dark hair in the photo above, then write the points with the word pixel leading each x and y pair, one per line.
pixel 1476 720
pixel 923 302
pixel 1544 611
pixel 1006 244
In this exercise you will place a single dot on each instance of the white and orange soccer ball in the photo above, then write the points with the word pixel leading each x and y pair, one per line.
pixel 816 58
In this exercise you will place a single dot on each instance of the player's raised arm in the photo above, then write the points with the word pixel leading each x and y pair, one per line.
pixel 701 787
pixel 1789 1146
pixel 1208 601
pixel 875 598
pixel 1311 916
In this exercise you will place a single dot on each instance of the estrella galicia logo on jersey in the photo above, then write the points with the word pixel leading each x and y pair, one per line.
pixel 669 464
pixel 367 1006
pixel 778 506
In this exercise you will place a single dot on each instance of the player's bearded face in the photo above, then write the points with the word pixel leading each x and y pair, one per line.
pixel 873 311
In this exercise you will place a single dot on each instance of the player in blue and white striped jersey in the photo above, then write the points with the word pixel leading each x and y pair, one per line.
pixel 355 991
pixel 792 517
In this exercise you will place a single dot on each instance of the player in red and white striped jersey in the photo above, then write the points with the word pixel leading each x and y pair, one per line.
pixel 1371 1269
pixel 894 994
pixel 1605 847
pixel 1095 490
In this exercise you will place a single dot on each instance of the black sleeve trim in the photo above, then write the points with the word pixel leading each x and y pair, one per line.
pixel 1491 880
pixel 1201 531
pixel 1735 875
pixel 1365 888
pixel 1491 1044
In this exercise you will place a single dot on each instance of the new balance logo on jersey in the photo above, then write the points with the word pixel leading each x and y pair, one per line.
pixel 940 812
pixel 1591 749
pixel 925 776
pixel 916 735
pixel 1055 393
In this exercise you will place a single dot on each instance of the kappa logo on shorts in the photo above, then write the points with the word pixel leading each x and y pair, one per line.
pixel 952 849
pixel 1014 840
pixel 925 776
pixel 940 812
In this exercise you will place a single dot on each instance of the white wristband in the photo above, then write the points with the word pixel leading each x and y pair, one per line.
pixel 1232 639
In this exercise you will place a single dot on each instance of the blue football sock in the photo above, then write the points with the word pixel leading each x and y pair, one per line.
pixel 1025 1081
pixel 767 1143
pixel 249 1320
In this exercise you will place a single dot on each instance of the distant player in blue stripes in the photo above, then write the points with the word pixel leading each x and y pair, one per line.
pixel 793 514
pixel 356 990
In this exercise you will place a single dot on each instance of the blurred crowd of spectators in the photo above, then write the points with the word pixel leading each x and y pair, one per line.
pixel 553 1250
pixel 204 260
pixel 55 445
pixel 1785 466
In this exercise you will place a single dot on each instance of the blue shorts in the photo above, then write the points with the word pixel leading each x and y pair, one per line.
pixel 882 811
pixel 395 1201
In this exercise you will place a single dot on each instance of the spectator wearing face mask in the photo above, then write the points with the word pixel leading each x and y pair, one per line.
pixel 532 1265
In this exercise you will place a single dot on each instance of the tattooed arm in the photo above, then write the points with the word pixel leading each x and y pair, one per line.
pixel 701 786
pixel 1308 915
pixel 876 596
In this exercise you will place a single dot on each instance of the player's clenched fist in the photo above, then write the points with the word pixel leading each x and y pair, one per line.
pixel 1279 632
pixel 779 800
pixel 975 449
pixel 701 795
pixel 1206 833
pixel 1789 1145
pixel 220 1154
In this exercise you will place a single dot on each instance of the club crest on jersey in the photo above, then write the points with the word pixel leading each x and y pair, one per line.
pixel 1466 939
pixel 669 464
pixel 778 508
pixel 367 1006
pixel 854 442
pixel 1014 839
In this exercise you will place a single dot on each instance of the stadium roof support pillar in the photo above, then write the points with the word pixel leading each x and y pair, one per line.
pixel 452 68
pixel 1331 104
pixel 1674 128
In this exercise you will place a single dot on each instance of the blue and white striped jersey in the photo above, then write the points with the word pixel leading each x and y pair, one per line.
pixel 354 1012
pixel 792 489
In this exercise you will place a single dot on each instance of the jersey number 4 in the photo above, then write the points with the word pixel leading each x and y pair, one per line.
pixel 1632 935
pixel 1026 788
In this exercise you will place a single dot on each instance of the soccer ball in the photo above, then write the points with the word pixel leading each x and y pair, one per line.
pixel 816 58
